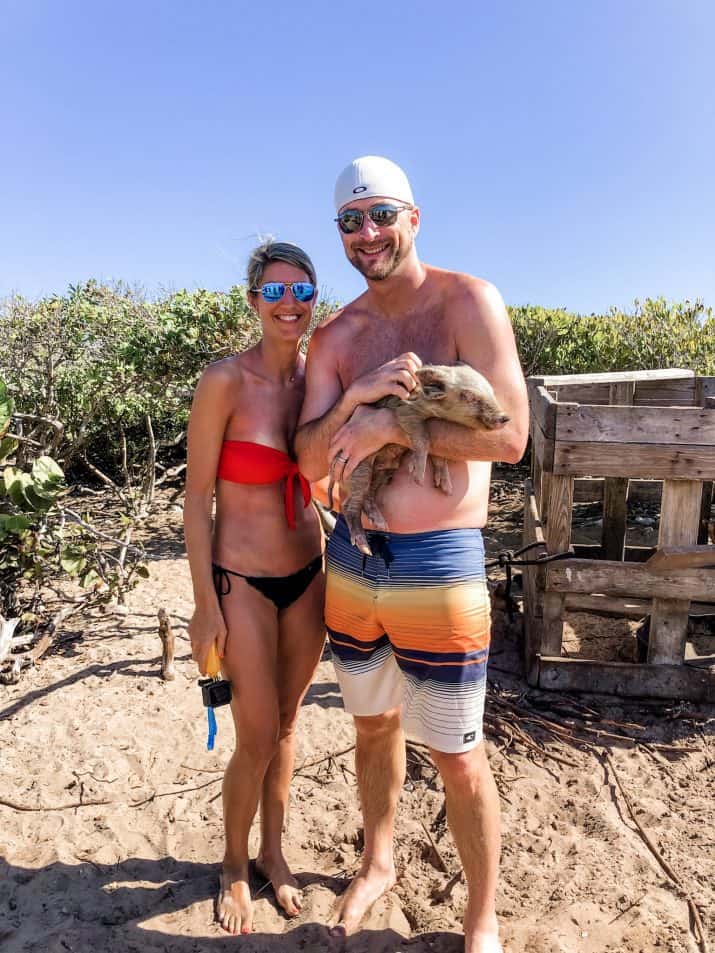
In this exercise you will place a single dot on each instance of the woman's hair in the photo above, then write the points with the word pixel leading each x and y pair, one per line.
pixel 270 251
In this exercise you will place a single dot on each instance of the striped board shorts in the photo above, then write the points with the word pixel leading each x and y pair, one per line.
pixel 409 627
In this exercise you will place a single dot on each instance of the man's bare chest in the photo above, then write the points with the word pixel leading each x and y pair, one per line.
pixel 377 344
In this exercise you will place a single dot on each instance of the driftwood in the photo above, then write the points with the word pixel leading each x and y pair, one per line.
pixel 166 634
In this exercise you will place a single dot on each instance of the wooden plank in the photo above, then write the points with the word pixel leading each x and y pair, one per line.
pixel 607 605
pixel 615 494
pixel 615 510
pixel 542 448
pixel 557 505
pixel 704 387
pixel 668 558
pixel 536 474
pixel 631 554
pixel 627 678
pixel 677 393
pixel 612 377
pixel 634 460
pixel 533 582
pixel 590 490
pixel 679 517
pixel 628 579
pixel 680 426
pixel 706 504
pixel 543 409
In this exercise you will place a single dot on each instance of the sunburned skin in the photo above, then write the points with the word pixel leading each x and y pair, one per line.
pixel 456 393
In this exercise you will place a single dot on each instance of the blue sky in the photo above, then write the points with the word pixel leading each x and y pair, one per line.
pixel 564 150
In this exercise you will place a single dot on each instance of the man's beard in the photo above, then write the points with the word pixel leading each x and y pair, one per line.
pixel 379 270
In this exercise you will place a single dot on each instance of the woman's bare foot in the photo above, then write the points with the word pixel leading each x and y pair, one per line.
pixel 234 907
pixel 367 887
pixel 285 886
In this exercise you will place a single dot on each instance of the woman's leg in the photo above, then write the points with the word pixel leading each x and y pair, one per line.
pixel 300 644
pixel 250 664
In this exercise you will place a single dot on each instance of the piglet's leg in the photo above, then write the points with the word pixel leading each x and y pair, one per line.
pixel 374 513
pixel 440 472
pixel 416 431
pixel 358 490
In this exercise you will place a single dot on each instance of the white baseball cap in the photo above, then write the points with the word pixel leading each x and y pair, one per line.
pixel 369 176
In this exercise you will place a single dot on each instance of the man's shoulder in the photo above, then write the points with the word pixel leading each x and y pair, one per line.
pixel 458 284
pixel 340 322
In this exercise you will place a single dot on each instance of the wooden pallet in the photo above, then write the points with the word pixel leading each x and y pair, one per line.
pixel 594 434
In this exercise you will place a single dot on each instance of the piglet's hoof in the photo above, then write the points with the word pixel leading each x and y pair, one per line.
pixel 361 543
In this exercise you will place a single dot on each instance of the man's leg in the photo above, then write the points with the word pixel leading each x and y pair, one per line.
pixel 380 767
pixel 474 818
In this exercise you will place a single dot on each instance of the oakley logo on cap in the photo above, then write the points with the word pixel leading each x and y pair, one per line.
pixel 359 188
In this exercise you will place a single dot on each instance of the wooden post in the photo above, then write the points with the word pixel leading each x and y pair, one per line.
pixel 533 582
pixel 679 516
pixel 615 491
pixel 704 387
pixel 166 634
pixel 557 496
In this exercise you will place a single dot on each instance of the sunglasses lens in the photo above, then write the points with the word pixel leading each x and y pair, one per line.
pixel 273 291
pixel 350 220
pixel 303 290
pixel 383 215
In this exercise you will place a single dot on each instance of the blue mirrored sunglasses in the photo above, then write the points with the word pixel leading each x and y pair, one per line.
pixel 273 291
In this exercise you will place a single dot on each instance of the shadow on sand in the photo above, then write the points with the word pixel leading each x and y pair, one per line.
pixel 137 905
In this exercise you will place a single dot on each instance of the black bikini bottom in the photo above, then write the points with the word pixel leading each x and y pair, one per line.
pixel 281 590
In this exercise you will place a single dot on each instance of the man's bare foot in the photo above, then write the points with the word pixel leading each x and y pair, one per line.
pixel 284 884
pixel 367 887
pixel 481 935
pixel 234 909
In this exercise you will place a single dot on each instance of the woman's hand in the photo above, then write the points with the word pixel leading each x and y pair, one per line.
pixel 207 626
pixel 367 431
pixel 397 377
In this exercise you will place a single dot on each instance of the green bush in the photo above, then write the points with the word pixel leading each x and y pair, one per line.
pixel 656 334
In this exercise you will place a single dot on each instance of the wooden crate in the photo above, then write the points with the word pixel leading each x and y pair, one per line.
pixel 592 436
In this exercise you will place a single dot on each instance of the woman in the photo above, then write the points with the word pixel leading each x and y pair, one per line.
pixel 258 578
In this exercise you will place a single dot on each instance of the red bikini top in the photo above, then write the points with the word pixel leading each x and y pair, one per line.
pixel 244 462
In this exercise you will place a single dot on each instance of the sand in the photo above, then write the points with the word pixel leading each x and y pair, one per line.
pixel 95 722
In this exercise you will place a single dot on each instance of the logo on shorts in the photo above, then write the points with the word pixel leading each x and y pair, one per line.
pixel 470 736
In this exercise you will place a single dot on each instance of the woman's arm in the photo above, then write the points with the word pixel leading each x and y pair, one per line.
pixel 207 424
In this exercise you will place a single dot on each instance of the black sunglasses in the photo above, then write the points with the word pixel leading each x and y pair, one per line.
pixel 383 214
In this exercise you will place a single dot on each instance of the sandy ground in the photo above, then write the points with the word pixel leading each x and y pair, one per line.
pixel 95 723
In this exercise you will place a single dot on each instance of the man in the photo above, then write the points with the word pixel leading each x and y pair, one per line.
pixel 409 626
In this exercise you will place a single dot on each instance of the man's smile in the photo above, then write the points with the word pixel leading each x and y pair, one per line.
pixel 373 249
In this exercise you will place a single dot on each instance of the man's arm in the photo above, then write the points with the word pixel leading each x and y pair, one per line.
pixel 485 340
pixel 326 407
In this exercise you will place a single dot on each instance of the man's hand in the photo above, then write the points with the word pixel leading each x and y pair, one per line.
pixel 367 431
pixel 397 377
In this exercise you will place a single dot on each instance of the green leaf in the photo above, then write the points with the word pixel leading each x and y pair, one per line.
pixel 142 571
pixel 15 484
pixel 72 562
pixel 7 444
pixel 90 578
pixel 47 473
pixel 14 523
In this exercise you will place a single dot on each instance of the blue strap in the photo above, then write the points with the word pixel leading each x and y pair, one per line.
pixel 212 729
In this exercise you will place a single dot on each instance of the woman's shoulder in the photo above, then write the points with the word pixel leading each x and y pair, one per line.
pixel 226 373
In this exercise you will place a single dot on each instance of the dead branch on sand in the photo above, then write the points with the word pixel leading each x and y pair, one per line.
pixel 696 923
